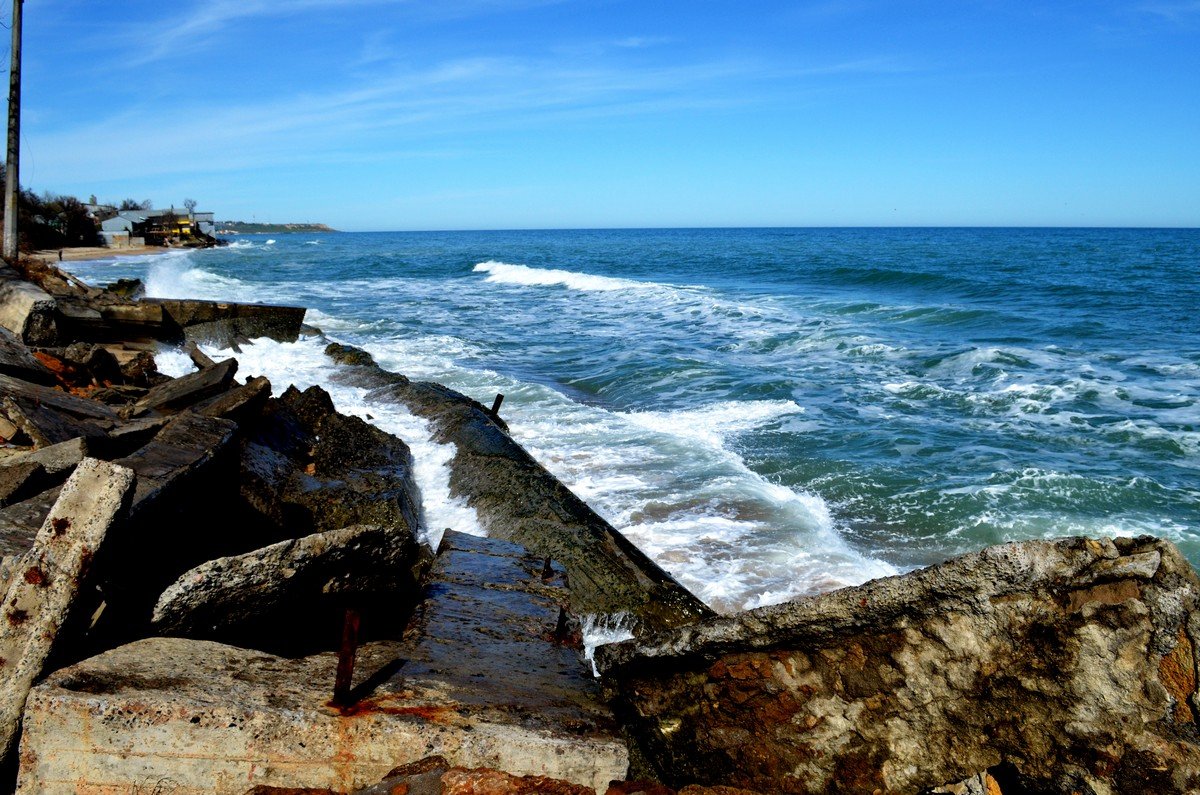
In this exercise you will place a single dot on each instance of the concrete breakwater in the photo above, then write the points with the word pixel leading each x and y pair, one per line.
pixel 209 588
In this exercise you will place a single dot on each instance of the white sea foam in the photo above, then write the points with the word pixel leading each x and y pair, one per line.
pixel 177 276
pixel 304 364
pixel 714 423
pixel 601 631
pixel 504 273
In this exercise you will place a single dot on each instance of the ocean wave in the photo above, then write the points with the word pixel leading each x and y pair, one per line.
pixel 715 422
pixel 504 273
pixel 180 277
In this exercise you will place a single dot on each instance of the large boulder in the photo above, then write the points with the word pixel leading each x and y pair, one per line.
pixel 1057 667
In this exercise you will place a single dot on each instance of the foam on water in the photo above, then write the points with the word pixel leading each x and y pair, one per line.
pixel 304 364
pixel 504 273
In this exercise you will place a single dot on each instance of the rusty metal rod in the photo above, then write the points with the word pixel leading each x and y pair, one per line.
pixel 346 654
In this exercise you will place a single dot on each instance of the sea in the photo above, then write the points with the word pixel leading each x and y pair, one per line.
pixel 770 413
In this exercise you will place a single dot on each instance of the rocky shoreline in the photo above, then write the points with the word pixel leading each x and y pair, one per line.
pixel 209 588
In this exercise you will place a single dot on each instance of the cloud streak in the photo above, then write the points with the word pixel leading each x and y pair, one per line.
pixel 412 110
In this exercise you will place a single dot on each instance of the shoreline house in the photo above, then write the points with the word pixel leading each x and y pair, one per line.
pixel 156 228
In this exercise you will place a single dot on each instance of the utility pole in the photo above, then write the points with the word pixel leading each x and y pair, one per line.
pixel 12 177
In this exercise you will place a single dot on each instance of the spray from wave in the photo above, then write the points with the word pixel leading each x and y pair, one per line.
pixel 503 273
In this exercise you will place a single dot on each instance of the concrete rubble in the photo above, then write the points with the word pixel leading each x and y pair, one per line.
pixel 1054 667
pixel 214 585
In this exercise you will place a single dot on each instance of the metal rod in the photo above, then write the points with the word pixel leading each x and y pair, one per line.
pixel 346 654
pixel 496 405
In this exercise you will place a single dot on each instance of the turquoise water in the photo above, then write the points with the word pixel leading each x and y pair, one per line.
pixel 776 412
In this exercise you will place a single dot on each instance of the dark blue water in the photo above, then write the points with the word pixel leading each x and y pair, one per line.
pixel 771 412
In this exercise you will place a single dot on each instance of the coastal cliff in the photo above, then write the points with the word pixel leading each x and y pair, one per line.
pixel 216 585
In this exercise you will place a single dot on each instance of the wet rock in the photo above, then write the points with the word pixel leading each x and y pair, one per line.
pixel 121 396
pixel 242 404
pixel 309 469
pixel 188 389
pixel 517 499
pixel 131 289
pixel 286 583
pixel 139 369
pixel 39 600
pixel 56 399
pixel 1069 664
pixel 349 355
pixel 177 455
pixel 198 357
pixel 185 510
pixel 98 362
pixel 224 322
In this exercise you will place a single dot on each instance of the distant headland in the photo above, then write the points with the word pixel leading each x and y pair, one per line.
pixel 243 228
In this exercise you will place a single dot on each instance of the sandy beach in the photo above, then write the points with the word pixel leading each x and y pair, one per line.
pixel 81 253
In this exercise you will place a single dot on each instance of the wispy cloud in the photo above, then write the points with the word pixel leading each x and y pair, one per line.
pixel 1186 11
pixel 641 42
pixel 202 24
pixel 198 26
pixel 420 112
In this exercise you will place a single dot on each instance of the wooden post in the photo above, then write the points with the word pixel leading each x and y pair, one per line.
pixel 346 654
pixel 12 176
pixel 496 405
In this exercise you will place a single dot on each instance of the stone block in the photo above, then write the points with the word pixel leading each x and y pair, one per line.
pixel 26 310
pixel 40 598
pixel 478 678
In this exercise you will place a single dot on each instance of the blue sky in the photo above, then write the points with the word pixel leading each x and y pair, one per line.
pixel 477 114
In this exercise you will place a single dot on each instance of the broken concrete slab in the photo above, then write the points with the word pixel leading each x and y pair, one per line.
pixel 43 425
pixel 38 602
pixel 188 389
pixel 59 400
pixel 62 457
pixel 223 322
pixel 1063 666
pixel 20 522
pixel 26 310
pixel 478 679
pixel 307 468
pixel 183 448
pixel 242 404
pixel 22 480
pixel 288 580
pixel 198 357
pixel 516 498
pixel 17 361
